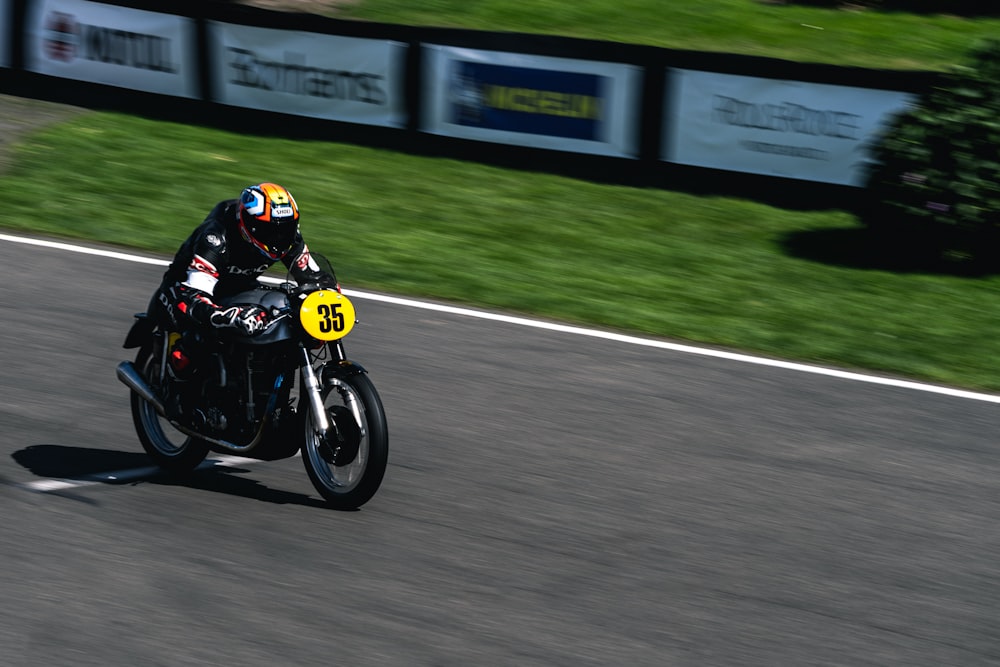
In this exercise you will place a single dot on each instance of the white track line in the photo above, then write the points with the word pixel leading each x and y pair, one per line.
pixel 122 476
pixel 577 331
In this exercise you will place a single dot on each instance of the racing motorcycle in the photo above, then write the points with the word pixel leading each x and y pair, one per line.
pixel 241 397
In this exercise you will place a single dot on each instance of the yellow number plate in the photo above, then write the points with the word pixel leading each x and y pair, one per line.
pixel 327 315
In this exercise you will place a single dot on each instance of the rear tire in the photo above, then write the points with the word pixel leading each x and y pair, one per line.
pixel 349 486
pixel 169 448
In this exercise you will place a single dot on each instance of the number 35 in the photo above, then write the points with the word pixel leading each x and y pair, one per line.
pixel 333 319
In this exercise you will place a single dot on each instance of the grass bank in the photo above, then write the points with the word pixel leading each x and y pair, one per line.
pixel 865 38
pixel 716 270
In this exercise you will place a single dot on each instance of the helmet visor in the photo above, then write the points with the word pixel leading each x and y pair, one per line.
pixel 275 238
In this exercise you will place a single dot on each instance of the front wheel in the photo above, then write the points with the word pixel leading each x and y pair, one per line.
pixel 168 447
pixel 349 485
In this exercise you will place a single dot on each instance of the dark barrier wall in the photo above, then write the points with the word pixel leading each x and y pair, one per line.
pixel 614 112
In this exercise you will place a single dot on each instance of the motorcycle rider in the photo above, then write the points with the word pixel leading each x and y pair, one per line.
pixel 238 240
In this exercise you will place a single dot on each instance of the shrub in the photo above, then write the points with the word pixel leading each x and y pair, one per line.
pixel 936 183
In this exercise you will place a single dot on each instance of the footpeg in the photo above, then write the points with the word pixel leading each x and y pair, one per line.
pixel 210 419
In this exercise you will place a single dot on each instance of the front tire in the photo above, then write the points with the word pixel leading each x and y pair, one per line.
pixel 169 448
pixel 349 486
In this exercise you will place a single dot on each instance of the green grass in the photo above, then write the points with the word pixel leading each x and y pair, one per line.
pixel 893 40
pixel 713 270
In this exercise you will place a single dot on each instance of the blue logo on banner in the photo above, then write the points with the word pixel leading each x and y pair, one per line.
pixel 534 101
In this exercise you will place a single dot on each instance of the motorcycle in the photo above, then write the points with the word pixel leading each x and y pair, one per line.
pixel 242 399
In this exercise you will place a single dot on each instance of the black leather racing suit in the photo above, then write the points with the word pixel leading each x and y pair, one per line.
pixel 215 261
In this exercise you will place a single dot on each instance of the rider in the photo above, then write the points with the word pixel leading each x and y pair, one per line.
pixel 237 242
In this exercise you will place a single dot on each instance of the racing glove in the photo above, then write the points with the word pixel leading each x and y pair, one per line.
pixel 251 319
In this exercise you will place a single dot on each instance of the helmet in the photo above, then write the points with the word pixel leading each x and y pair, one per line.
pixel 268 219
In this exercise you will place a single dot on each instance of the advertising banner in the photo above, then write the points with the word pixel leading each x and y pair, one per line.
pixel 791 129
pixel 309 74
pixel 117 46
pixel 563 104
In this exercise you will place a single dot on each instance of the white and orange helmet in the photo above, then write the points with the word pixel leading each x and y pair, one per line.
pixel 268 219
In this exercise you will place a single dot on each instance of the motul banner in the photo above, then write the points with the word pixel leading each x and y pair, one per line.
pixel 309 74
pixel 580 106
pixel 791 129
pixel 117 46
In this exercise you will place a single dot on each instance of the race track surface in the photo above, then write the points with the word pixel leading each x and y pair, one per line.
pixel 551 499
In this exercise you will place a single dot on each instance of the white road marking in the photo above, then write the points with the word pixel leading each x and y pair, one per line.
pixel 120 476
pixel 84 251
pixel 578 331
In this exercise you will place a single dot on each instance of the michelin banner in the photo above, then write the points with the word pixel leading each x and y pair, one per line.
pixel 112 45
pixel 309 74
pixel 562 104
pixel 791 129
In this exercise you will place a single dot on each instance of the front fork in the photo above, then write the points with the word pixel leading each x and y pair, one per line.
pixel 334 373
pixel 310 385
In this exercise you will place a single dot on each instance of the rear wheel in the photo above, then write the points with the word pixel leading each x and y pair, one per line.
pixel 168 447
pixel 355 410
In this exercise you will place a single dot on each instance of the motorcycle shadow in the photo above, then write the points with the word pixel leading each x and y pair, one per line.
pixel 106 466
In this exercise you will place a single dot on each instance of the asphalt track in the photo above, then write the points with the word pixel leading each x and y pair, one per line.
pixel 551 499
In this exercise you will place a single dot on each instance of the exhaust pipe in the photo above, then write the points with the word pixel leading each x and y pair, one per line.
pixel 130 377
